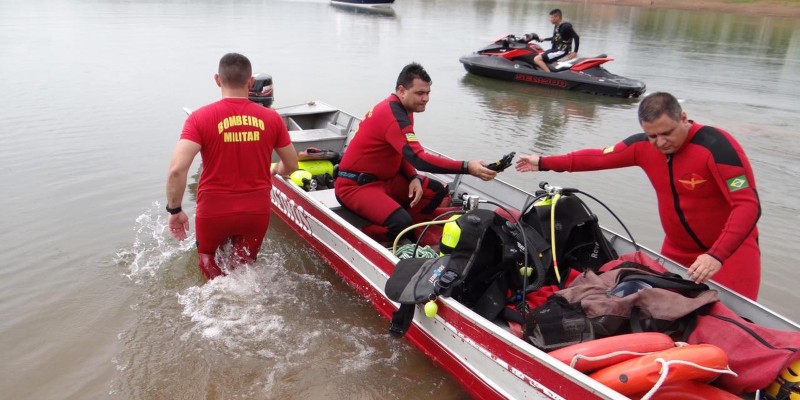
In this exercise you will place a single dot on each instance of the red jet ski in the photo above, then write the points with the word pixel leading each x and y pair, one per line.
pixel 511 58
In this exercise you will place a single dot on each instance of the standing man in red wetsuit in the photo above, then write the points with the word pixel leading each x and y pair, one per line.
pixel 235 138
pixel 377 177
pixel 706 191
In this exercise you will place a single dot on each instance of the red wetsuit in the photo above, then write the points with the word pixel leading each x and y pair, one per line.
pixel 236 137
pixel 707 198
pixel 386 148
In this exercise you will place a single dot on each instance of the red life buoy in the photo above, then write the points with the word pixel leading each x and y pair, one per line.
pixel 690 390
pixel 639 375
pixel 599 353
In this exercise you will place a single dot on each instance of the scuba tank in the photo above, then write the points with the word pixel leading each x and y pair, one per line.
pixel 450 236
pixel 317 167
pixel 313 175
pixel 787 384
pixel 321 172
pixel 303 179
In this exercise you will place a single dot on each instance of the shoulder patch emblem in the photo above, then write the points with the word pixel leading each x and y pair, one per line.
pixel 609 149
pixel 411 137
pixel 736 183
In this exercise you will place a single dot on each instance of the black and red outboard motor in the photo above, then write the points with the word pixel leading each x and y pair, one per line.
pixel 261 91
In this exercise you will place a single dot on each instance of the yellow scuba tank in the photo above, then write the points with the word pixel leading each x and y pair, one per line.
pixel 321 172
pixel 303 179
pixel 544 202
pixel 312 173
pixel 316 167
pixel 787 385
pixel 450 236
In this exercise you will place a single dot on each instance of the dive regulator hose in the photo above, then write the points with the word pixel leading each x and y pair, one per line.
pixel 426 224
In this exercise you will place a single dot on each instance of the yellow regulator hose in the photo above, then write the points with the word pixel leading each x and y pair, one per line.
pixel 415 226
pixel 553 235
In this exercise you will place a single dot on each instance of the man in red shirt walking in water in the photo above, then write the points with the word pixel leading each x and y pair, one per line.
pixel 377 176
pixel 235 138
pixel 706 191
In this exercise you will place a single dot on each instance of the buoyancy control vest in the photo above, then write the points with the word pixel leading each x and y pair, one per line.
pixel 484 270
pixel 487 257
pixel 580 243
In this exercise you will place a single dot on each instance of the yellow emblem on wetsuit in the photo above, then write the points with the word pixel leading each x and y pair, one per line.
pixel 411 137
pixel 608 149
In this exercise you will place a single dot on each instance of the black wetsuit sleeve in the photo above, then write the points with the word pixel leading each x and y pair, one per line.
pixel 568 32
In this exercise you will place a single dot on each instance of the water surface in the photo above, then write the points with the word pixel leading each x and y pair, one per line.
pixel 97 302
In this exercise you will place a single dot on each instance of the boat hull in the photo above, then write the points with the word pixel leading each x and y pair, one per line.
pixel 363 3
pixel 486 359
pixel 596 80
pixel 489 362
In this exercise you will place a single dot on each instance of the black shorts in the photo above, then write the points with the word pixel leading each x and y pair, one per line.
pixel 553 55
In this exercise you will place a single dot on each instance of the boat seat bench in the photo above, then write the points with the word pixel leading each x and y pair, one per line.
pixel 323 138
pixel 328 198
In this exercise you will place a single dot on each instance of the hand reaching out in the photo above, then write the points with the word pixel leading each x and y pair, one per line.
pixel 527 163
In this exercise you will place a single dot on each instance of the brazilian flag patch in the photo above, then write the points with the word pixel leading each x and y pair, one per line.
pixel 736 183
pixel 411 137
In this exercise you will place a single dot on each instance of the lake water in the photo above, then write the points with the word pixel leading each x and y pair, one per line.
pixel 96 302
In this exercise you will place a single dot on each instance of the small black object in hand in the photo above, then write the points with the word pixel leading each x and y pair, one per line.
pixel 503 163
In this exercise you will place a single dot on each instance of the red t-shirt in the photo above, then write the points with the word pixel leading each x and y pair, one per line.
pixel 236 137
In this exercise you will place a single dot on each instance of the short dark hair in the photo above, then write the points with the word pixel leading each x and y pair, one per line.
pixel 657 104
pixel 409 73
pixel 556 11
pixel 235 70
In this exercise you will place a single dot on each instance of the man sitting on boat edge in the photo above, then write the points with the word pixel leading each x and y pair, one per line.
pixel 704 183
pixel 377 177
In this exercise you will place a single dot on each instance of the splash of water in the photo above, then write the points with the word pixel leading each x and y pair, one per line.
pixel 276 321
pixel 152 247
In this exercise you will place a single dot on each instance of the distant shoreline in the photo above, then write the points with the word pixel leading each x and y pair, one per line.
pixel 776 8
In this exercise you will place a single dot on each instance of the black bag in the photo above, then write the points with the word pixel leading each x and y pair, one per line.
pixel 629 298
pixel 557 323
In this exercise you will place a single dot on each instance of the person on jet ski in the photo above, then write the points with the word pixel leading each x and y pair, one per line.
pixel 563 36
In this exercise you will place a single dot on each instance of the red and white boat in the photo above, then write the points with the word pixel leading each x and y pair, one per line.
pixel 486 358
pixel 363 3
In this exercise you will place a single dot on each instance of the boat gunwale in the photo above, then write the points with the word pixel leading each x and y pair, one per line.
pixel 513 343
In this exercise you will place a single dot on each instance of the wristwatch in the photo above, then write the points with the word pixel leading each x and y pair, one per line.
pixel 175 210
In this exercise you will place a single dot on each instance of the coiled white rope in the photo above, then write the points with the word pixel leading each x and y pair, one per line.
pixel 579 357
pixel 665 370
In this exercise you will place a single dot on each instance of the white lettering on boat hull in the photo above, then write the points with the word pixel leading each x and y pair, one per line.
pixel 294 211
